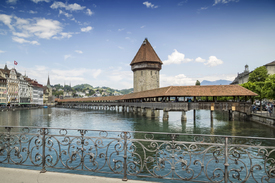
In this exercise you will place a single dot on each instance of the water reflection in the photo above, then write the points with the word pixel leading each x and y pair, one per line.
pixel 113 120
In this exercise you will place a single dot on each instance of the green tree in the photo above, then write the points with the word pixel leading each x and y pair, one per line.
pixel 269 87
pixel 198 83
pixel 258 75
pixel 257 87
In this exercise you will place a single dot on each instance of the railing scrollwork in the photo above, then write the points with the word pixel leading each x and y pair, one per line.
pixel 176 156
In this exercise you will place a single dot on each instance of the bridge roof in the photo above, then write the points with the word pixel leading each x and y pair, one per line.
pixel 146 53
pixel 177 91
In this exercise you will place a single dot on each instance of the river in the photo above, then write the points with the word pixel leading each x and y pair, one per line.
pixel 122 121
pixel 113 120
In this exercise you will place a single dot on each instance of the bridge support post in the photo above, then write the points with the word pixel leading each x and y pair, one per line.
pixel 143 111
pixel 231 115
pixel 130 109
pixel 165 115
pixel 153 113
pixel 135 110
pixel 194 114
pixel 211 115
pixel 183 116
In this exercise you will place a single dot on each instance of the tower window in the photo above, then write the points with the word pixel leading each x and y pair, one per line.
pixel 151 73
pixel 141 73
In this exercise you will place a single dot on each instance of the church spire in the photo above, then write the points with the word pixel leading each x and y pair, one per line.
pixel 48 83
pixel 6 67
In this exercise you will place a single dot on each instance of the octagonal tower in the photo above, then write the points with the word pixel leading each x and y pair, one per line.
pixel 146 66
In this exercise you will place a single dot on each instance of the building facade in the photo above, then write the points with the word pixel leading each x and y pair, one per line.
pixel 243 77
pixel 13 88
pixel 24 93
pixel 3 89
pixel 146 66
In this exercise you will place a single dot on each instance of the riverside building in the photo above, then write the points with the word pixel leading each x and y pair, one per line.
pixel 16 89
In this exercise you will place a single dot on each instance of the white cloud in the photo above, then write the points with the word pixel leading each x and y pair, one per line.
pixel 181 79
pixel 89 12
pixel 37 1
pixel 120 47
pixel 177 80
pixel 182 2
pixel 78 51
pixel 3 32
pixel 118 75
pixel 149 5
pixel 96 72
pixel 21 40
pixel 213 61
pixel 32 12
pixel 77 72
pixel 21 34
pixel 70 7
pixel 64 35
pixel 142 26
pixel 199 59
pixel 6 19
pixel 203 8
pixel 130 39
pixel 11 1
pixel 44 28
pixel 224 1
pixel 216 77
pixel 64 13
pixel 67 56
pixel 86 29
pixel 120 29
pixel 176 58
pixel 1 51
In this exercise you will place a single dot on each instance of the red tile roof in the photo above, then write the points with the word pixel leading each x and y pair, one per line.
pixel 146 53
pixel 177 91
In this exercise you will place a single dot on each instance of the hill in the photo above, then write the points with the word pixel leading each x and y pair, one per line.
pixel 83 86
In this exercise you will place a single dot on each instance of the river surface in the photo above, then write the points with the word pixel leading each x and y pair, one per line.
pixel 113 120
pixel 122 121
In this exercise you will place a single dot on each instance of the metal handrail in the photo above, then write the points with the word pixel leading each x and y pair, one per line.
pixel 176 156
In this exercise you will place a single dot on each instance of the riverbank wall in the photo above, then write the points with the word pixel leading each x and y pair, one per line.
pixel 263 119
pixel 21 108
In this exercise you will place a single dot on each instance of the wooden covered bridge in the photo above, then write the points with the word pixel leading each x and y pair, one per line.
pixel 231 98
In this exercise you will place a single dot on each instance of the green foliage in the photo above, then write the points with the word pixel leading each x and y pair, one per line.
pixel 126 91
pixel 260 74
pixel 83 86
pixel 256 87
pixel 269 87
pixel 57 93
pixel 198 83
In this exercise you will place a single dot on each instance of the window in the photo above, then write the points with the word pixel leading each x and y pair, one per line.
pixel 141 73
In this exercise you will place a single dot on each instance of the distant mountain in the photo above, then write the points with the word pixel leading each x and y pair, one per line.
pixel 217 82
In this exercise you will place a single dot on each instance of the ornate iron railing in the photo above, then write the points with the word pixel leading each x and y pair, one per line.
pixel 188 157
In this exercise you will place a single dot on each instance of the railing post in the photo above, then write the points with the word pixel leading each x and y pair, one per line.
pixel 43 151
pixel 8 138
pixel 226 160
pixel 125 158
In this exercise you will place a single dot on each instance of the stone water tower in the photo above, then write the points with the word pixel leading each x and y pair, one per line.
pixel 146 66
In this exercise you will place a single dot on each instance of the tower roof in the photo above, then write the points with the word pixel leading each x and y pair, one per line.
pixel 146 53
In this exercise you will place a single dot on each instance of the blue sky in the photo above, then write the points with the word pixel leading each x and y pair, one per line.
pixel 94 41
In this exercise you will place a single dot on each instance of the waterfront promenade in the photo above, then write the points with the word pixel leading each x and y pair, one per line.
pixel 14 175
